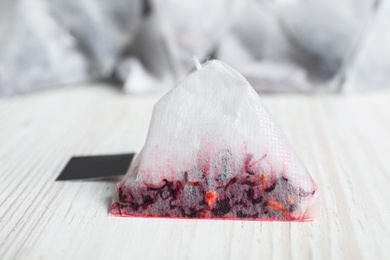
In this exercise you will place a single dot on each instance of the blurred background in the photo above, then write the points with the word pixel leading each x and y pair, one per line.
pixel 145 46
pixel 81 77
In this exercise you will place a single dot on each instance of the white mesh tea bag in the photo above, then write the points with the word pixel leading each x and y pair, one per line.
pixel 38 52
pixel 103 28
pixel 214 151
pixel 193 28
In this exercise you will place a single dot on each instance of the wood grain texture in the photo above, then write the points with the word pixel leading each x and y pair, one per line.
pixel 344 140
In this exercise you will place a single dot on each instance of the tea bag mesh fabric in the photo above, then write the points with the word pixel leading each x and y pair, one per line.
pixel 214 151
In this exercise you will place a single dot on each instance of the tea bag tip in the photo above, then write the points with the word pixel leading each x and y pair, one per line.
pixel 197 63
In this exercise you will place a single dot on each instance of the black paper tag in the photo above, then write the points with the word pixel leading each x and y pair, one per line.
pixel 94 167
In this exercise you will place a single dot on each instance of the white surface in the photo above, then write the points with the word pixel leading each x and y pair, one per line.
pixel 344 142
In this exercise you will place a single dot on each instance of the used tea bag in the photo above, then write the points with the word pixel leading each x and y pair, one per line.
pixel 260 50
pixel 104 28
pixel 369 68
pixel 53 42
pixel 214 151
pixel 38 52
pixel 193 28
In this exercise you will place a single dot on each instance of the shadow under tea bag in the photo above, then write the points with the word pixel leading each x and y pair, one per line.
pixel 214 151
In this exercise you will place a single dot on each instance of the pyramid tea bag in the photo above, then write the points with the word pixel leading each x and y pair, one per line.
pixel 193 28
pixel 214 151
pixel 38 52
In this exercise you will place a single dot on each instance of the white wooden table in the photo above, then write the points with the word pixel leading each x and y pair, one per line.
pixel 344 141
